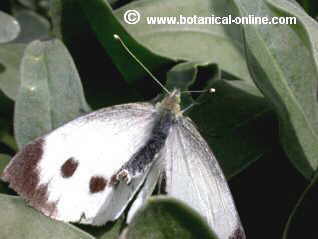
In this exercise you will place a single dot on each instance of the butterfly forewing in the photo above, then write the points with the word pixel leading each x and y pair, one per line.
pixel 194 176
pixel 67 174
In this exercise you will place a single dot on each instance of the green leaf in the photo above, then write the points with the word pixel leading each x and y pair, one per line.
pixel 105 25
pixel 205 43
pixel 164 217
pixel 33 26
pixel 10 59
pixel 301 221
pixel 288 78
pixel 193 76
pixel 181 77
pixel 310 24
pixel 51 93
pixel 20 221
pixel 9 28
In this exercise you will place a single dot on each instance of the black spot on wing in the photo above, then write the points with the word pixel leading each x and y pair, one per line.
pixel 97 184
pixel 69 167
pixel 23 176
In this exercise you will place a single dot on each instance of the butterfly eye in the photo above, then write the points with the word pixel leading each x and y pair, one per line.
pixel 69 167
pixel 97 184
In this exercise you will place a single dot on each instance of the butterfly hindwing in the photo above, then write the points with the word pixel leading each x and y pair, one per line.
pixel 194 176
pixel 68 174
pixel 147 188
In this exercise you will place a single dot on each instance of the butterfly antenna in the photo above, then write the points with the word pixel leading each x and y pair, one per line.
pixel 140 63
pixel 187 108
pixel 210 90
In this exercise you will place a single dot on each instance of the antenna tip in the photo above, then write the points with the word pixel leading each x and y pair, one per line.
pixel 211 90
pixel 116 36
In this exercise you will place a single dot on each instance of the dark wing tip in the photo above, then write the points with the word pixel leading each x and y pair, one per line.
pixel 238 234
pixel 22 173
pixel 23 177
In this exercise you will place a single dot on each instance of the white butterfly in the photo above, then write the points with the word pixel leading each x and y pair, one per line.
pixel 88 170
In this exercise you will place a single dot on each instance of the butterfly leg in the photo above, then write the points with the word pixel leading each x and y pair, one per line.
pixel 83 216
pixel 124 175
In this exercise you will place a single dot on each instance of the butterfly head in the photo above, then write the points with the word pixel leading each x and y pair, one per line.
pixel 171 103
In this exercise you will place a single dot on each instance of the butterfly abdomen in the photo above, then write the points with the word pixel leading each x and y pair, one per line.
pixel 146 155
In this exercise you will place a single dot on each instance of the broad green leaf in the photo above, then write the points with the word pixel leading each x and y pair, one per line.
pixel 236 120
pixel 182 76
pixel 205 43
pixel 20 221
pixel 165 217
pixel 310 24
pixel 10 59
pixel 105 25
pixel 9 28
pixel 51 93
pixel 288 78
pixel 33 26
pixel 301 221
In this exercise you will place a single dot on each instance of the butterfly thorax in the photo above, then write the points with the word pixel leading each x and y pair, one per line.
pixel 168 110
pixel 171 103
